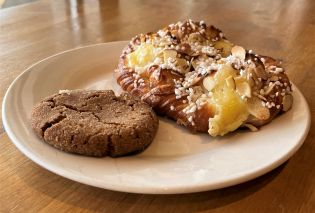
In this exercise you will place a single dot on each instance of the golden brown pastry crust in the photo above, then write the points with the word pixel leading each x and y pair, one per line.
pixel 156 85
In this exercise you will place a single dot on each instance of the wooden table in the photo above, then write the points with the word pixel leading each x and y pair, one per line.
pixel 282 29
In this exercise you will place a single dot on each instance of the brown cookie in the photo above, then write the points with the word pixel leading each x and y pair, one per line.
pixel 95 123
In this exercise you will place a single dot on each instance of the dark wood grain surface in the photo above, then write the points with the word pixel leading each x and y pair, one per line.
pixel 31 32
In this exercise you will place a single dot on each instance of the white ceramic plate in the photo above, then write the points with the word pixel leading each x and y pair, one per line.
pixel 176 162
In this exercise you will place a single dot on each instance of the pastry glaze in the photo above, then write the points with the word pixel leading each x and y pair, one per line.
pixel 192 74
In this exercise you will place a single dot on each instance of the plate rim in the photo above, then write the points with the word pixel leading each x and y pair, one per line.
pixel 243 177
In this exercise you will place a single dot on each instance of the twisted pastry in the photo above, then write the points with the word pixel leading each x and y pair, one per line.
pixel 191 73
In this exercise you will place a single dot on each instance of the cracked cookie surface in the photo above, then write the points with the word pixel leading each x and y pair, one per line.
pixel 95 123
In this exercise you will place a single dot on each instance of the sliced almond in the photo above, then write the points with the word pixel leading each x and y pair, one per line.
pixel 242 87
pixel 261 97
pixel 186 49
pixel 195 37
pixel 251 127
pixel 254 80
pixel 230 82
pixel 255 121
pixel 196 81
pixel 287 102
pixel 256 109
pixel 182 64
pixel 274 78
pixel 209 83
pixel 238 52
pixel 261 72
pixel 225 46
pixel 169 54
pixel 194 64
pixel 270 88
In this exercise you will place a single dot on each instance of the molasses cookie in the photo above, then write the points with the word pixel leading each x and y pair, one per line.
pixel 95 123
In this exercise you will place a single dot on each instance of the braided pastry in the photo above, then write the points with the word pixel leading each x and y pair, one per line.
pixel 191 73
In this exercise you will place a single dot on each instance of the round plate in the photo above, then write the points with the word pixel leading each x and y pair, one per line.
pixel 176 162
